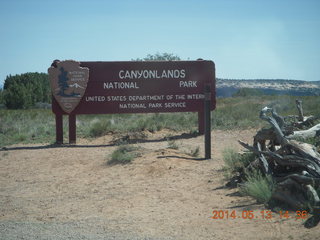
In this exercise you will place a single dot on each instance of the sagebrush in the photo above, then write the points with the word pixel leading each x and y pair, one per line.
pixel 38 125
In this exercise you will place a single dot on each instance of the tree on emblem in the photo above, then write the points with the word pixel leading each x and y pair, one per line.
pixel 63 84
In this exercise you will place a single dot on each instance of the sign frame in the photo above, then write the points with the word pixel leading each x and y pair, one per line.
pixel 138 80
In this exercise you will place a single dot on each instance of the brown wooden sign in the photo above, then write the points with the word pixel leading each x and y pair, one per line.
pixel 131 87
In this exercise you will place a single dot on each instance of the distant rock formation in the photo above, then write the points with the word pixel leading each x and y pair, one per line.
pixel 227 87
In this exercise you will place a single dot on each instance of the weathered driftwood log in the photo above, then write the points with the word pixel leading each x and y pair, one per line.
pixel 287 160
pixel 275 125
pixel 302 120
pixel 313 220
pixel 303 134
pixel 296 194
pixel 301 179
pixel 263 136
pixel 312 192
pixel 302 184
pixel 296 162
pixel 293 165
pixel 264 163
pixel 304 150
pixel 301 149
pixel 300 110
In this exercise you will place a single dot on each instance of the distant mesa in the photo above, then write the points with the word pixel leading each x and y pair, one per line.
pixel 227 87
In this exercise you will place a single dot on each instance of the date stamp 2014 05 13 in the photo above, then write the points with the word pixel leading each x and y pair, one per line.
pixel 264 214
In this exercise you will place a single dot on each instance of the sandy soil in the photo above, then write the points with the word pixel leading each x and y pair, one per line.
pixel 163 194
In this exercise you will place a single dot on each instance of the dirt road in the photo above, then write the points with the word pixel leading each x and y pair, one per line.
pixel 70 193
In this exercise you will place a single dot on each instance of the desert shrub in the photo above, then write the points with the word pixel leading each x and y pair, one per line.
pixel 254 183
pixel 38 125
pixel 235 113
pixel 258 186
pixel 172 144
pixel 195 152
pixel 26 126
pixel 235 161
pixel 245 92
pixel 124 154
pixel 243 112
pixel 98 128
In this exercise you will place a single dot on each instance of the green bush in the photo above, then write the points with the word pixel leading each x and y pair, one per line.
pixel 122 155
pixel 245 92
pixel 258 186
pixel 99 128
pixel 255 184
pixel 172 144
pixel 195 152
pixel 235 161
pixel 25 90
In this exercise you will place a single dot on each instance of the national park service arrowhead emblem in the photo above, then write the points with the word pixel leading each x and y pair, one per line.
pixel 68 83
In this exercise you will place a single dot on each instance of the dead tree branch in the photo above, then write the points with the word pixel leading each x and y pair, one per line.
pixel 293 165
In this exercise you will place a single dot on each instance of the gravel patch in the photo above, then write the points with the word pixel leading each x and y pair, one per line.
pixel 11 230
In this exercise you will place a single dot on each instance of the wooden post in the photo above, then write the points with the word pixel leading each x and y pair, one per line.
pixel 207 121
pixel 201 122
pixel 59 129
pixel 72 128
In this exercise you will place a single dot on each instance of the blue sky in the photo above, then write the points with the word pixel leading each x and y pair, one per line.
pixel 245 38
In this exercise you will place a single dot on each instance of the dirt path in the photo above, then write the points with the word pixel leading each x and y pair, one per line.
pixel 70 193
